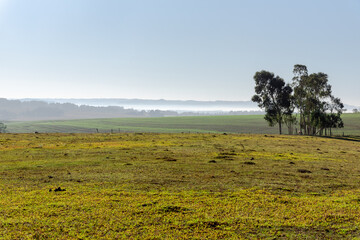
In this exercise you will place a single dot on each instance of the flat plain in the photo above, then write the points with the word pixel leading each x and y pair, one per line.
pixel 178 186
pixel 202 124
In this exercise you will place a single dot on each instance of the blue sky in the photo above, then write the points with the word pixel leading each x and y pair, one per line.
pixel 173 49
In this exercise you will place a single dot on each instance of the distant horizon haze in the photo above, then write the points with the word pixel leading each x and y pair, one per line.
pixel 164 104
pixel 158 104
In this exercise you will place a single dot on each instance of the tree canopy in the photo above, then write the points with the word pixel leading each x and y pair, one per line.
pixel 317 107
pixel 273 95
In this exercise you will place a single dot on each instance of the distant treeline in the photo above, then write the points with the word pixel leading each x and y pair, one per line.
pixel 16 110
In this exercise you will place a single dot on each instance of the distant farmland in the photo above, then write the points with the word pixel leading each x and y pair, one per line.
pixel 214 124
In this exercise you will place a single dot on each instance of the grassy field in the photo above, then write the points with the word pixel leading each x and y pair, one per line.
pixel 178 186
pixel 213 124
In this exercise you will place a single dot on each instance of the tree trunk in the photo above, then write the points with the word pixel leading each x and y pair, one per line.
pixel 280 127
pixel 309 127
pixel 291 130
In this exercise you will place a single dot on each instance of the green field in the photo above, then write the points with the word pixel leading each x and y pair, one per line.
pixel 213 124
pixel 178 186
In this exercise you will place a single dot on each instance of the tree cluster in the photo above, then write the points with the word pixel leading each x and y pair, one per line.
pixel 309 95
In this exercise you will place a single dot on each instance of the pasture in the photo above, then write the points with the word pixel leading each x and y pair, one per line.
pixel 183 186
pixel 202 124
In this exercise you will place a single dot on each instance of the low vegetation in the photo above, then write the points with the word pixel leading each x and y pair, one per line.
pixel 185 186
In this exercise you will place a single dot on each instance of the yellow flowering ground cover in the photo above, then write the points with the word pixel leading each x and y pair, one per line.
pixel 178 186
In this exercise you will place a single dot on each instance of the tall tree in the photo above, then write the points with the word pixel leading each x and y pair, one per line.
pixel 273 95
pixel 300 74
pixel 313 99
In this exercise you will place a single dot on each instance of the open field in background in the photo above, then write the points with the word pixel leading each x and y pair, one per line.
pixel 185 186
pixel 206 124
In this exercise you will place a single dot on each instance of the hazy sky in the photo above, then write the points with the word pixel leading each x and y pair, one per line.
pixel 173 49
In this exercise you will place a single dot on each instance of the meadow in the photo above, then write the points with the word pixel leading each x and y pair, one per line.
pixel 202 124
pixel 178 186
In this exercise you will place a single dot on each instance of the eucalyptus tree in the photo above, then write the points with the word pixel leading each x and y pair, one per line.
pixel 314 100
pixel 273 95
pixel 300 74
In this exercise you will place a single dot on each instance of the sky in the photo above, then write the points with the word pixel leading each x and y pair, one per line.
pixel 173 49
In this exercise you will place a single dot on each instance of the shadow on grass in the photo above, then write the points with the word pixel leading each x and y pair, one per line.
pixel 346 138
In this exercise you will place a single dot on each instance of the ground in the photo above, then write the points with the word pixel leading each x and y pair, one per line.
pixel 184 186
